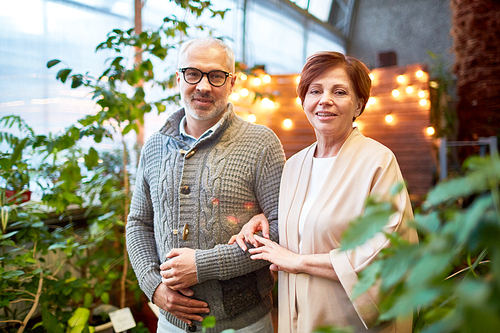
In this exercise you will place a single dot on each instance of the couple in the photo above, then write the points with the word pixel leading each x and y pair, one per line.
pixel 206 171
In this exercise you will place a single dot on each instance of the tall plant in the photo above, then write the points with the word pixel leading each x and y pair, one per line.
pixel 26 240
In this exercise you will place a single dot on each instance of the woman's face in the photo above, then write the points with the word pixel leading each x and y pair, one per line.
pixel 331 104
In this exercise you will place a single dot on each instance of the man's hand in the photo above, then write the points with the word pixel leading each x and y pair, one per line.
pixel 257 223
pixel 180 271
pixel 180 306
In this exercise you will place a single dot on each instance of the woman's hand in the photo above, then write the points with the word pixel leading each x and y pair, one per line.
pixel 257 223
pixel 280 258
pixel 285 260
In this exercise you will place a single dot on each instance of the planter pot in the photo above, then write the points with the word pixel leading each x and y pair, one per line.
pixel 105 328
pixel 25 196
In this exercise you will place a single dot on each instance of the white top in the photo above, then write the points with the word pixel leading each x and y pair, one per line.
pixel 320 168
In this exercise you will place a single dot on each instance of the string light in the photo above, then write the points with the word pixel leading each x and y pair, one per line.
pixel 419 73
pixel 297 79
pixel 421 94
pixel 243 77
pixel 371 76
pixel 266 78
pixel 389 118
pixel 423 102
pixel 252 118
pixel 400 78
pixel 266 102
pixel 409 89
pixel 244 92
pixel 256 81
pixel 395 93
pixel 235 96
pixel 430 130
pixel 287 123
pixel 372 100
pixel 298 100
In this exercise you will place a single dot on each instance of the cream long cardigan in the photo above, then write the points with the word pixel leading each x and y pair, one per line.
pixel 363 167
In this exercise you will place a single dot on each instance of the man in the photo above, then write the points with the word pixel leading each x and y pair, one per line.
pixel 200 178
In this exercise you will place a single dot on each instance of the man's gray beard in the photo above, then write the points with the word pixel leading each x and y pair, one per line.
pixel 218 108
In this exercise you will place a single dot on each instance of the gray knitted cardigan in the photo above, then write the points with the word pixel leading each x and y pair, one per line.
pixel 214 187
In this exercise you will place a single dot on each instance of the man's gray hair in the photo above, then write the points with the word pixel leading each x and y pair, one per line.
pixel 207 42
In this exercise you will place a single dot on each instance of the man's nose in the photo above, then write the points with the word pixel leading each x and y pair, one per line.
pixel 204 85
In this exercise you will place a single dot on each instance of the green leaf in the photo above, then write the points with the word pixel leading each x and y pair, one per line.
pixel 91 158
pixel 376 216
pixel 396 188
pixel 52 63
pixel 76 81
pixel 409 301
pixel 208 322
pixel 63 74
pixel 79 318
pixel 10 234
pixel 396 266
pixel 105 298
pixel 368 277
pixel 428 222
pixel 50 322
pixel 88 299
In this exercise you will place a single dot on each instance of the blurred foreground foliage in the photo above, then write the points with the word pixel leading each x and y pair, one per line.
pixel 450 280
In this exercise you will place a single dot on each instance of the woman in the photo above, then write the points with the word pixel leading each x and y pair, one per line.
pixel 323 188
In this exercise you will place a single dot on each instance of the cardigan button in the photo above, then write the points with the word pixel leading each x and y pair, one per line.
pixel 185 190
pixel 192 328
pixel 191 153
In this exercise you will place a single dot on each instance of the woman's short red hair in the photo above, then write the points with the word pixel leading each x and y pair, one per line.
pixel 317 63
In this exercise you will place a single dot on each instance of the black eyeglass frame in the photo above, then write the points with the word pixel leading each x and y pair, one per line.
pixel 183 71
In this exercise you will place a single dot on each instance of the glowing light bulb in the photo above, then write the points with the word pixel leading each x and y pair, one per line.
pixel 298 100
pixel 389 118
pixel 266 102
pixel 371 76
pixel 252 118
pixel 430 130
pixel 423 102
pixel 419 73
pixel 434 84
pixel 371 101
pixel 256 81
pixel 297 79
pixel 244 92
pixel 409 89
pixel 266 78
pixel 395 93
pixel 287 123
pixel 421 94
pixel 243 77
pixel 235 96
pixel 400 78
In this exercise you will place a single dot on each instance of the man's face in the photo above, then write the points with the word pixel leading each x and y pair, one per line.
pixel 202 100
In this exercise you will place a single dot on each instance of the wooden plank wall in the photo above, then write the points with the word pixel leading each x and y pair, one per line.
pixel 406 135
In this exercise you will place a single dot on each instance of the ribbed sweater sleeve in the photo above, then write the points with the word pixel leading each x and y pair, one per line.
pixel 224 261
pixel 140 236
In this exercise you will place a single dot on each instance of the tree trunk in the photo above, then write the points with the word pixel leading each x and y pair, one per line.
pixel 476 33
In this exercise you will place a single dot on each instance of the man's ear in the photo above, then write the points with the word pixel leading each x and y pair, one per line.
pixel 177 77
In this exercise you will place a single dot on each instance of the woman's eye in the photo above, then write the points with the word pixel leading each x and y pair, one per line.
pixel 341 92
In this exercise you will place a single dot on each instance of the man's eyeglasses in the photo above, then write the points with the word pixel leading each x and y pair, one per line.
pixel 193 76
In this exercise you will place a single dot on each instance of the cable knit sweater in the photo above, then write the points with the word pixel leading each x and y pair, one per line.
pixel 214 188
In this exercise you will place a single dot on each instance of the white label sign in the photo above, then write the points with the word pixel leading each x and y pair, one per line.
pixel 122 320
